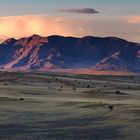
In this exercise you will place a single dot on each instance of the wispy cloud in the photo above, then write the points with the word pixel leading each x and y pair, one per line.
pixel 80 10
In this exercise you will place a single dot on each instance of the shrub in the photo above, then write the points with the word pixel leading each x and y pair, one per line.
pixel 74 88
pixel 117 91
pixel 21 99
pixel 88 86
pixel 111 107
pixel 5 84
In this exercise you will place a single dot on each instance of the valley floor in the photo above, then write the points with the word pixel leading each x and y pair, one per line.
pixel 70 107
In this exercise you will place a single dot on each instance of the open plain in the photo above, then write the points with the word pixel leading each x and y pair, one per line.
pixel 48 106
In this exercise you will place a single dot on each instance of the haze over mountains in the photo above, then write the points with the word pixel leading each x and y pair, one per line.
pixel 38 53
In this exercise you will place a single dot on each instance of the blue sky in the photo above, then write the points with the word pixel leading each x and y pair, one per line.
pixel 119 18
pixel 116 7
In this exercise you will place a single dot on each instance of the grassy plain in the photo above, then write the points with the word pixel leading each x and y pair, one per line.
pixel 50 106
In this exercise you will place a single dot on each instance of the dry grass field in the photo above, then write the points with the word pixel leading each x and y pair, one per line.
pixel 48 106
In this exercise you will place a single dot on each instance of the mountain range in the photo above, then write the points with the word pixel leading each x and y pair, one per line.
pixel 36 53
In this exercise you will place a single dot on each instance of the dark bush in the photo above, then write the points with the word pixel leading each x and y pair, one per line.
pixel 74 88
pixel 111 107
pixel 21 99
pixel 5 84
pixel 88 86
pixel 117 91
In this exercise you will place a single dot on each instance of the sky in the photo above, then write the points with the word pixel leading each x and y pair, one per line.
pixel 21 18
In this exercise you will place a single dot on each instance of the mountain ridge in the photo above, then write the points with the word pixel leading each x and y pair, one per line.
pixel 37 53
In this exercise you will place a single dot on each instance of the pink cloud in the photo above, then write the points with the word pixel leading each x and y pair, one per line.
pixel 135 19
pixel 20 26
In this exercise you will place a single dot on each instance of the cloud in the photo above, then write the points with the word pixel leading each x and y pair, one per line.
pixel 80 11
pixel 2 38
pixel 134 19
pixel 21 26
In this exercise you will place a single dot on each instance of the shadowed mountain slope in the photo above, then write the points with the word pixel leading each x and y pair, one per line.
pixel 38 53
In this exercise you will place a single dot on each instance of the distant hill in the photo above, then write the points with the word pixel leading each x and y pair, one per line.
pixel 38 53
